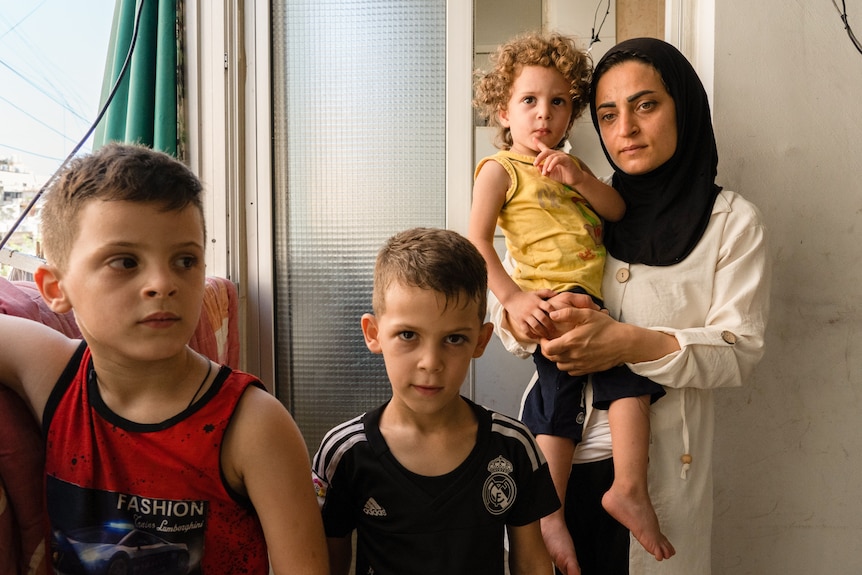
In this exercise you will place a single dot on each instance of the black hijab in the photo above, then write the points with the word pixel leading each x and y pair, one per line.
pixel 667 210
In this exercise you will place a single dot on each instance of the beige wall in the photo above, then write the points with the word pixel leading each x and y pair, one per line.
pixel 789 129
pixel 637 18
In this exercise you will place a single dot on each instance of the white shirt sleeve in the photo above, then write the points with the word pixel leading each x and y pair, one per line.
pixel 496 311
pixel 715 302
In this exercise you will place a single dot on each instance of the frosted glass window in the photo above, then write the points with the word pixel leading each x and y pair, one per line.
pixel 359 154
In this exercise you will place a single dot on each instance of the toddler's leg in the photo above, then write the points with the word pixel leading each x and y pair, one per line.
pixel 558 452
pixel 554 412
pixel 628 498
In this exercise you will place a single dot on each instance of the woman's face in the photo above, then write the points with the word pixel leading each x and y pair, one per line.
pixel 636 117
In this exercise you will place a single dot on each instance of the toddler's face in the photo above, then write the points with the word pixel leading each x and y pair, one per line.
pixel 539 108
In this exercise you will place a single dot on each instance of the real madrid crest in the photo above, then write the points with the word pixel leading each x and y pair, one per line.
pixel 499 490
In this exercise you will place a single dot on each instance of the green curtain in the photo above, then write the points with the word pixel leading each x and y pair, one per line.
pixel 145 107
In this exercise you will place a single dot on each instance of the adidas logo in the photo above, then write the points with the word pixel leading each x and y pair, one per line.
pixel 373 508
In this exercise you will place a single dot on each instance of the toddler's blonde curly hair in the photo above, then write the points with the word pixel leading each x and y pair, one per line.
pixel 493 89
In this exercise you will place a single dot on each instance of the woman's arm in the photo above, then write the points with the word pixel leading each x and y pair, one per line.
pixel 700 323
pixel 514 338
pixel 593 341
pixel 729 342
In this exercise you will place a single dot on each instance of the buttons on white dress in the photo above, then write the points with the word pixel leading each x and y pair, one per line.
pixel 728 337
pixel 623 275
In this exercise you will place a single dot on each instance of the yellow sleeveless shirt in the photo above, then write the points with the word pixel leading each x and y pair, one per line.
pixel 551 231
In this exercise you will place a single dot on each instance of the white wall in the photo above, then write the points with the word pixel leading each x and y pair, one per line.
pixel 789 444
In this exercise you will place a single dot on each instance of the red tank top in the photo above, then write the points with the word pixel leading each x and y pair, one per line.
pixel 149 497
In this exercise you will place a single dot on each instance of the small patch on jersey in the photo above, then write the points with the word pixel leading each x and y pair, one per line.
pixel 373 508
pixel 501 465
pixel 499 490
pixel 319 488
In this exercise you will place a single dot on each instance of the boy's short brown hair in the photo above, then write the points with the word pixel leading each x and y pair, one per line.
pixel 115 172
pixel 493 89
pixel 434 259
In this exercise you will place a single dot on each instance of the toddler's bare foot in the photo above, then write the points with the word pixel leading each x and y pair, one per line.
pixel 559 544
pixel 638 515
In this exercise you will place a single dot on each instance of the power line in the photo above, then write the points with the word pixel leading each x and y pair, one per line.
pixel 28 152
pixel 594 34
pixel 42 91
pixel 90 131
pixel 43 68
pixel 35 119
pixel 22 20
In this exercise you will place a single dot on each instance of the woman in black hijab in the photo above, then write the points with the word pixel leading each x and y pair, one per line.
pixel 686 284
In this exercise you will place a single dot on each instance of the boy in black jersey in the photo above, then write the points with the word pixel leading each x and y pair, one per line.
pixel 430 480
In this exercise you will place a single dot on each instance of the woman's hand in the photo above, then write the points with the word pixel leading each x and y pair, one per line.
pixel 571 299
pixel 593 341
pixel 590 341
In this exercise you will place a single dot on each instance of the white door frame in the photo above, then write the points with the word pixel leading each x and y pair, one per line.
pixel 229 113
pixel 690 26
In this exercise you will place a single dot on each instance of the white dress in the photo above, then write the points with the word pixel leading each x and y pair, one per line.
pixel 716 303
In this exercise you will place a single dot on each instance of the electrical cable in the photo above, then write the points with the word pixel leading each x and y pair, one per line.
pixel 594 34
pixel 843 13
pixel 90 131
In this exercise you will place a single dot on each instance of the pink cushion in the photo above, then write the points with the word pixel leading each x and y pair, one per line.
pixel 217 335
pixel 22 504
pixel 22 299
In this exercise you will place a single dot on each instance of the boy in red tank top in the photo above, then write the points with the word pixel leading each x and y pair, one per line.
pixel 157 459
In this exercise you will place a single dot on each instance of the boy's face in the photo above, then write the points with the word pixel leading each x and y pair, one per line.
pixel 135 279
pixel 539 108
pixel 426 345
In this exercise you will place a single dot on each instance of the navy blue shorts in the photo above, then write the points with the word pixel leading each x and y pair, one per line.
pixel 555 404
